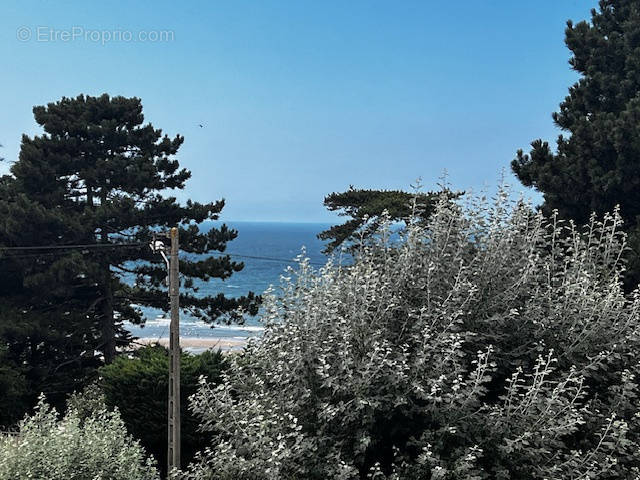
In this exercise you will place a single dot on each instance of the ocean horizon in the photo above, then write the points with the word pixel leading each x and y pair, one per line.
pixel 278 243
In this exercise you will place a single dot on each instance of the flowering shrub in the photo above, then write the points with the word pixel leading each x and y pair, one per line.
pixel 490 343
pixel 88 443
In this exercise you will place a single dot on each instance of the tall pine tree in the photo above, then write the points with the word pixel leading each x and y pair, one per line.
pixel 597 165
pixel 97 176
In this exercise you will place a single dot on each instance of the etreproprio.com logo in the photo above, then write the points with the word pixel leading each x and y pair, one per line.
pixel 46 34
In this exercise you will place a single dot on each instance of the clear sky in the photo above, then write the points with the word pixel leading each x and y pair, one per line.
pixel 301 98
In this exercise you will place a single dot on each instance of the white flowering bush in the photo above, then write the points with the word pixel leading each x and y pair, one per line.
pixel 489 343
pixel 88 443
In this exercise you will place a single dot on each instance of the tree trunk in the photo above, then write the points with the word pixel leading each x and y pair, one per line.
pixel 108 327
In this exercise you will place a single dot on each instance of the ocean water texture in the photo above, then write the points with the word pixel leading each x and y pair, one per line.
pixel 273 240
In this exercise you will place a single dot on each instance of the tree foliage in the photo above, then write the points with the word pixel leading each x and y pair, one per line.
pixel 89 442
pixel 13 389
pixel 595 166
pixel 366 209
pixel 98 176
pixel 490 343
pixel 137 387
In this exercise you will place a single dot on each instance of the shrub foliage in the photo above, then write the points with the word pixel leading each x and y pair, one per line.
pixel 138 387
pixel 89 442
pixel 491 343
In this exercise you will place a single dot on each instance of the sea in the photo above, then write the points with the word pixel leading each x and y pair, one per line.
pixel 277 243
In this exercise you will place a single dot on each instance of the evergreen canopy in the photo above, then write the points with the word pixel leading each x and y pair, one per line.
pixel 366 208
pixel 97 176
pixel 597 165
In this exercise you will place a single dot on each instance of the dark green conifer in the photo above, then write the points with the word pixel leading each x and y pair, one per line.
pixel 596 164
pixel 365 207
pixel 98 175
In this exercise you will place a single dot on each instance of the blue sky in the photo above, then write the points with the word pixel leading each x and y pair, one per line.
pixel 301 98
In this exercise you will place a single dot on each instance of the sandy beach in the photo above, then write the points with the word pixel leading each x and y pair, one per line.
pixel 195 344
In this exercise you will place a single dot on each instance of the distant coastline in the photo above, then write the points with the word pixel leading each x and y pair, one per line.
pixel 198 345
pixel 271 240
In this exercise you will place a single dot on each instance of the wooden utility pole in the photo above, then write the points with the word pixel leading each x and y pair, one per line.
pixel 173 452
pixel 173 282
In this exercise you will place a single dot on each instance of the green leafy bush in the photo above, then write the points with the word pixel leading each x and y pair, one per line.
pixel 137 386
pixel 492 343
pixel 86 444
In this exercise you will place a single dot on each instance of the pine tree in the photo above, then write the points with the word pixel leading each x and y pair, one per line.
pixel 366 207
pixel 46 327
pixel 597 165
pixel 97 176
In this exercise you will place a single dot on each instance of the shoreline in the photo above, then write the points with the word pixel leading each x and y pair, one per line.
pixel 197 344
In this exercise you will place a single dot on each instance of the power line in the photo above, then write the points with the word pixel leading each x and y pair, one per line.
pixel 127 245
pixel 32 255
pixel 273 259
pixel 76 246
